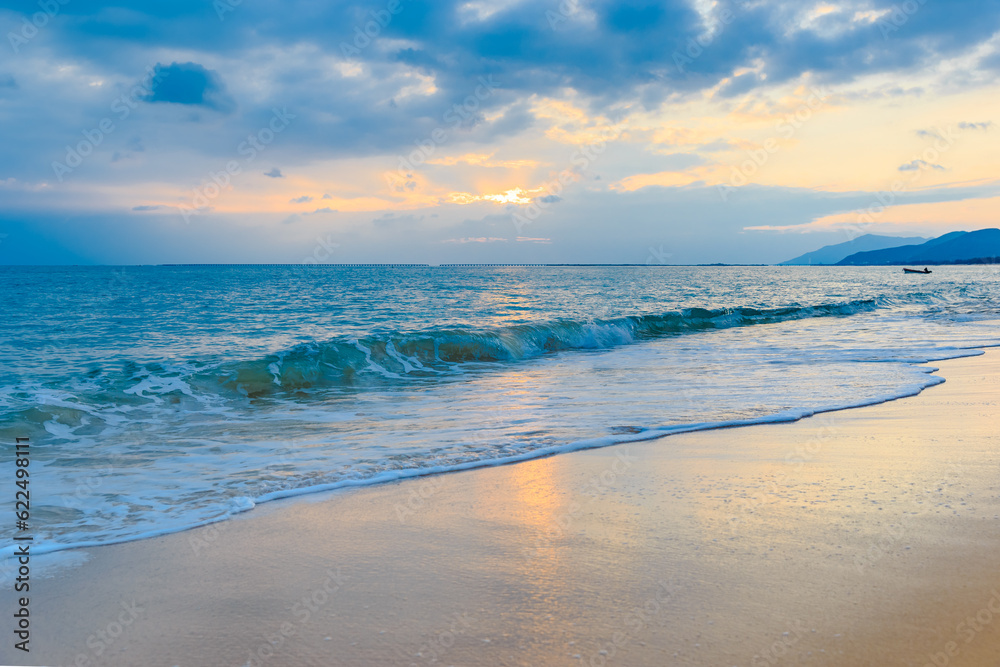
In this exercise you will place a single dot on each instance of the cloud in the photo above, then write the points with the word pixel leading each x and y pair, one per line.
pixel 652 62
pixel 976 126
pixel 481 239
pixel 301 200
pixel 147 208
pixel 991 62
pixel 694 223
pixel 549 199
pixel 917 165
pixel 740 85
pixel 613 52
pixel 482 160
pixel 188 84
pixel 612 57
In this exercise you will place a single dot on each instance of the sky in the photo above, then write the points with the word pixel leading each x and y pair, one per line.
pixel 433 131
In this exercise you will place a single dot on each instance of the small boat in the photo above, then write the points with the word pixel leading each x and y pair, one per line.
pixel 916 271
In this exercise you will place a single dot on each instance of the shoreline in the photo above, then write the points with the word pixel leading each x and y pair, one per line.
pixel 801 540
pixel 396 476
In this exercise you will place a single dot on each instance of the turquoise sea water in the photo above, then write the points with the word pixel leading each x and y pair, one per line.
pixel 157 398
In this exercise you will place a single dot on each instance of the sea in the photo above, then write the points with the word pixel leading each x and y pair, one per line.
pixel 159 398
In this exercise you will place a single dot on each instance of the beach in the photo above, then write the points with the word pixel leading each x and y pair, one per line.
pixel 476 334
pixel 862 537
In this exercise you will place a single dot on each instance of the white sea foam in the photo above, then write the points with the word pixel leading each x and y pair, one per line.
pixel 239 504
pixel 152 384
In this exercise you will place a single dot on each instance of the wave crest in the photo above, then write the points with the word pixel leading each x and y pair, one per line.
pixel 428 354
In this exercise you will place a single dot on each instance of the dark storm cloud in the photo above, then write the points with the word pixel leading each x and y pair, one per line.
pixel 187 83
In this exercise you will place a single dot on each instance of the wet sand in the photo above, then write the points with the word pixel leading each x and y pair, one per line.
pixel 861 537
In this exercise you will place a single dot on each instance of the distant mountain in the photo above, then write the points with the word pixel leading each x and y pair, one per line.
pixel 832 254
pixel 952 248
